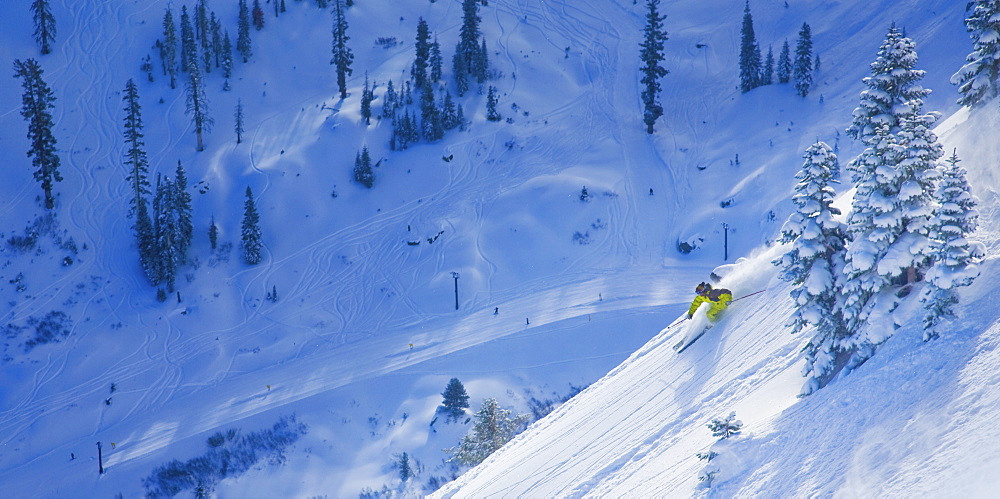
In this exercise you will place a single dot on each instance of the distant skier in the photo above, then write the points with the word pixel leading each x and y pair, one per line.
pixel 719 299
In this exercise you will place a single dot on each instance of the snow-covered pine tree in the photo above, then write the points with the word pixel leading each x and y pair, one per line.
pixel 979 79
pixel 342 54
pixel 430 119
pixel 405 471
pixel 168 52
pixel 36 101
pixel 182 212
pixel 250 231
pixel 460 117
pixel 493 427
pixel 767 74
pixel 227 59
pixel 481 64
pixel 873 167
pixel 135 153
pixel 238 120
pixel 197 103
pixel 45 24
pixel 724 428
pixel 468 54
pixel 243 45
pixel 423 53
pixel 491 104
pixel 258 15
pixel 165 227
pixel 455 399
pixel 203 31
pixel 955 218
pixel 750 63
pixel 189 50
pixel 815 263
pixel 449 117
pixel 366 102
pixel 651 55
pixel 784 64
pixel 436 62
pixel 363 173
pixel 217 45
pixel 213 234
pixel 138 166
pixel 389 101
pixel 803 67
pixel 912 197
pixel 890 227
pixel 893 89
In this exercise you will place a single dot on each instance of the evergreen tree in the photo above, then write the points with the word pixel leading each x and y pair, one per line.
pixel 250 229
pixel 258 15
pixel 750 64
pixel 481 64
pixel 182 212
pixel 767 75
pixel 803 67
pixel 201 27
pixel 217 45
pixel 389 101
pixel 979 79
pixel 189 49
pixel 423 54
pixel 893 88
pixel 449 116
pixel 784 64
pixel 725 428
pixel 363 173
pixel 227 60
pixel 197 103
pixel 405 472
pixel 342 55
pixel 491 104
pixel 138 166
pixel 213 233
pixel 494 426
pixel 468 61
pixel 145 239
pixel 430 119
pixel 955 218
pixel 238 115
pixel 436 62
pixel 867 245
pixel 456 399
pixel 460 117
pixel 135 154
pixel 169 51
pixel 651 55
pixel 367 95
pixel 168 257
pixel 45 24
pixel 204 34
pixel 815 263
pixel 243 34
pixel 36 101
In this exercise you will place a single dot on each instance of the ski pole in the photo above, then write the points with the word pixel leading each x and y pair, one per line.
pixel 749 295
pixel 676 322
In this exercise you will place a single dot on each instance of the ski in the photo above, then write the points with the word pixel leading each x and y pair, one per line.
pixel 690 339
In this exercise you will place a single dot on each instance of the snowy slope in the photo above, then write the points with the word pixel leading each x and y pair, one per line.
pixel 365 335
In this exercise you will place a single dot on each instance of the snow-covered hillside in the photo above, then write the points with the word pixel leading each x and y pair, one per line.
pixel 553 292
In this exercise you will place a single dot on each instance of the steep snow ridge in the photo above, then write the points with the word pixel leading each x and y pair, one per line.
pixel 365 335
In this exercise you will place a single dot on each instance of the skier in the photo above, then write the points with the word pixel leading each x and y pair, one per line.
pixel 718 298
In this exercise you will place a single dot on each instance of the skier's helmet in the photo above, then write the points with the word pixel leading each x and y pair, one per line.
pixel 702 288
